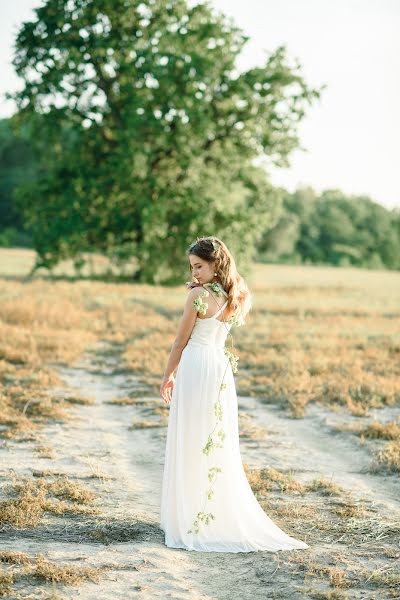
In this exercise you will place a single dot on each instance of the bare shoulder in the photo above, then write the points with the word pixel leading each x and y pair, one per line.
pixel 198 300
pixel 195 292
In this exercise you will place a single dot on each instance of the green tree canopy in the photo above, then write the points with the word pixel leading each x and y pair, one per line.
pixel 147 133
pixel 333 228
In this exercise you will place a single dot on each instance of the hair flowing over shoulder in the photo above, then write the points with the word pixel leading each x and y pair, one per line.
pixel 214 250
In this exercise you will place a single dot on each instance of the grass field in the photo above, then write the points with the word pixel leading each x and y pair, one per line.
pixel 318 338
pixel 314 335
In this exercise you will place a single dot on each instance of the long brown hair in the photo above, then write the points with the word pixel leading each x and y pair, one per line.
pixel 213 250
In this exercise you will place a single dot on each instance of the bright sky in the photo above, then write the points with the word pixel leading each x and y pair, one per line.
pixel 352 134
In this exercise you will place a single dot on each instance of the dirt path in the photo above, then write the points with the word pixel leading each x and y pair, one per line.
pixel 128 466
pixel 312 447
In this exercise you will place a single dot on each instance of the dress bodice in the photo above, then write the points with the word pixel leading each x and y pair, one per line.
pixel 210 331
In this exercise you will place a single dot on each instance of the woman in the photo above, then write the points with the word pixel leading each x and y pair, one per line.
pixel 207 503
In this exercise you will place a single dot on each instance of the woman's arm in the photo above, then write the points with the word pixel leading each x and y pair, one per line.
pixel 185 328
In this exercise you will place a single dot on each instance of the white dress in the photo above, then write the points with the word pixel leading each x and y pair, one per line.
pixel 207 503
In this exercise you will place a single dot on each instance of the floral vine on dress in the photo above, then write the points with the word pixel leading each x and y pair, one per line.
pixel 215 439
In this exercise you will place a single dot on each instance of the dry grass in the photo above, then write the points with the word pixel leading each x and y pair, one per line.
pixel 321 504
pixel 70 490
pixel 329 595
pixel 160 410
pixel 382 431
pixel 34 497
pixel 326 487
pixel 312 340
pixel 6 582
pixel 383 581
pixel 344 536
pixel 42 570
pixel 337 577
pixel 45 570
pixel 146 424
pixel 81 400
pixel 45 451
pixel 128 401
pixel 43 322
pixel 148 408
pixel 27 403
pixel 47 473
pixel 26 510
pixel 248 429
pixel 24 400
pixel 267 479
pixel 264 480
pixel 13 557
pixel 314 335
pixel 388 458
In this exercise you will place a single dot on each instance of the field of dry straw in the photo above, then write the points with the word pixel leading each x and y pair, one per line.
pixel 319 361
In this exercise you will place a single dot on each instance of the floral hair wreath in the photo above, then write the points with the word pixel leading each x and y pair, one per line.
pixel 215 244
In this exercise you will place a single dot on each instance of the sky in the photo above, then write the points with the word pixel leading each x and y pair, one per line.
pixel 351 135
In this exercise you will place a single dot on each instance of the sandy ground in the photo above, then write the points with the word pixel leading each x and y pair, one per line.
pixel 128 465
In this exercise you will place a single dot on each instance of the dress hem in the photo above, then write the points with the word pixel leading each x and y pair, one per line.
pixel 177 545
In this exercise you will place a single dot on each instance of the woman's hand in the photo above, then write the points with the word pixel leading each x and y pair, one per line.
pixel 167 387
pixel 192 284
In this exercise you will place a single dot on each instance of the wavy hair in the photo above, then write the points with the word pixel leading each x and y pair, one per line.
pixel 213 250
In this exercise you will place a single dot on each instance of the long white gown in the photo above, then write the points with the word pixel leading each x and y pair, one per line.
pixel 207 503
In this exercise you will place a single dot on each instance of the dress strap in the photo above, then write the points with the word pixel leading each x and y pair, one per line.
pixel 219 311
pixel 224 292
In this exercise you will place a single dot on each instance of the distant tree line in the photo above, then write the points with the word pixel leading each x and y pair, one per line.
pixel 332 228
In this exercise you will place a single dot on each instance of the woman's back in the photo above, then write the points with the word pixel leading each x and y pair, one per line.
pixel 212 330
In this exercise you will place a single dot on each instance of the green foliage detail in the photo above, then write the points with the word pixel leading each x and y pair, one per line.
pixel 233 359
pixel 218 410
pixel 215 287
pixel 201 306
pixel 202 517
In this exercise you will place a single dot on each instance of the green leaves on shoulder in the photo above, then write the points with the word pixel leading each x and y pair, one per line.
pixel 198 302
pixel 215 287
pixel 201 306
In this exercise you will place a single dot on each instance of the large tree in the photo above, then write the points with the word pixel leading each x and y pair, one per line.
pixel 146 131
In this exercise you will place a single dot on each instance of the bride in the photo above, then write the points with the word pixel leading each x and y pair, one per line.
pixel 207 503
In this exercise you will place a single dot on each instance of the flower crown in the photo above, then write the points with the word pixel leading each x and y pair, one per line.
pixel 215 244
